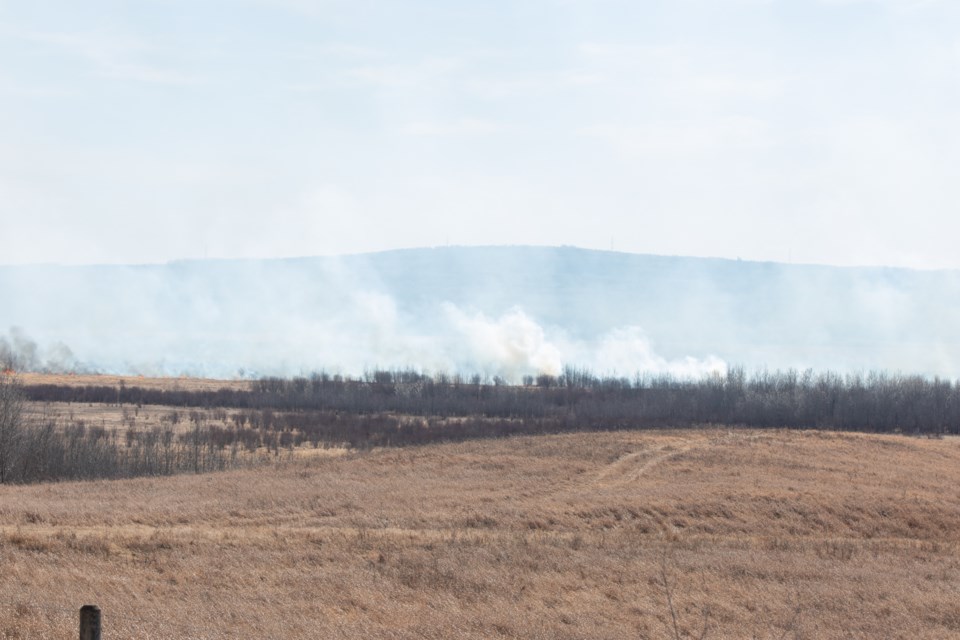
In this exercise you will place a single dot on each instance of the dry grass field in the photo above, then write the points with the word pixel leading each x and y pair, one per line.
pixel 120 418
pixel 106 380
pixel 770 534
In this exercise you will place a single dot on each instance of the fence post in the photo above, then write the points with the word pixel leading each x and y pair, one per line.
pixel 89 622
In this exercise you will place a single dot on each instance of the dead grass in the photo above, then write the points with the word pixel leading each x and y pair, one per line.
pixel 763 534
pixel 105 380
pixel 120 418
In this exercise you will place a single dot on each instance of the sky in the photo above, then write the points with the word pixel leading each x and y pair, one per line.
pixel 807 131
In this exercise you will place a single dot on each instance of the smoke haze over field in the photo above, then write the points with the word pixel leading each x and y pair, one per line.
pixel 18 352
pixel 496 311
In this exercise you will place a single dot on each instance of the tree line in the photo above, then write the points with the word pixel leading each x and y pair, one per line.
pixel 42 450
pixel 578 399
pixel 209 430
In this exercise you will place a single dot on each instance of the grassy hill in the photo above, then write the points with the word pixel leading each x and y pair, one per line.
pixel 767 534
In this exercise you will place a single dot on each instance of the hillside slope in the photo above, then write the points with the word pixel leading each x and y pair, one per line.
pixel 766 534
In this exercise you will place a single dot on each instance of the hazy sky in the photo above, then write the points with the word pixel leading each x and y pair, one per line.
pixel 807 130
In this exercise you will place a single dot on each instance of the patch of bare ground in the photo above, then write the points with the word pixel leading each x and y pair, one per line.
pixel 755 534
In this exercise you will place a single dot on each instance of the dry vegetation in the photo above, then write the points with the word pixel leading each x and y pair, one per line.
pixel 105 380
pixel 120 418
pixel 766 534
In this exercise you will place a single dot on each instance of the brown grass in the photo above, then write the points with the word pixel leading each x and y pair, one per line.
pixel 104 380
pixel 762 534
pixel 120 418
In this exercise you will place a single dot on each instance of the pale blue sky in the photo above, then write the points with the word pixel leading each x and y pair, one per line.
pixel 822 131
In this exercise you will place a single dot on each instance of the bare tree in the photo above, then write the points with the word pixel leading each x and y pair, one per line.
pixel 11 422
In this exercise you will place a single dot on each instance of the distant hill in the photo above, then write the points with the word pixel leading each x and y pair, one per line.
pixel 504 311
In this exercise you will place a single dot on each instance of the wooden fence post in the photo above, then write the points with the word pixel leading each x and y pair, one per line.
pixel 89 622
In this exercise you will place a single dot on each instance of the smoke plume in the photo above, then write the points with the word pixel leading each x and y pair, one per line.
pixel 506 312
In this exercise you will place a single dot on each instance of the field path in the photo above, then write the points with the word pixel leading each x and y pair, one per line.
pixel 629 468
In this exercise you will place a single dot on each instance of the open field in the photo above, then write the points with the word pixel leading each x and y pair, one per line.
pixel 105 380
pixel 767 534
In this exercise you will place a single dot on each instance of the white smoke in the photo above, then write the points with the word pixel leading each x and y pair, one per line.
pixel 19 352
pixel 497 312
pixel 628 350
pixel 513 346
pixel 368 332
pixel 510 347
